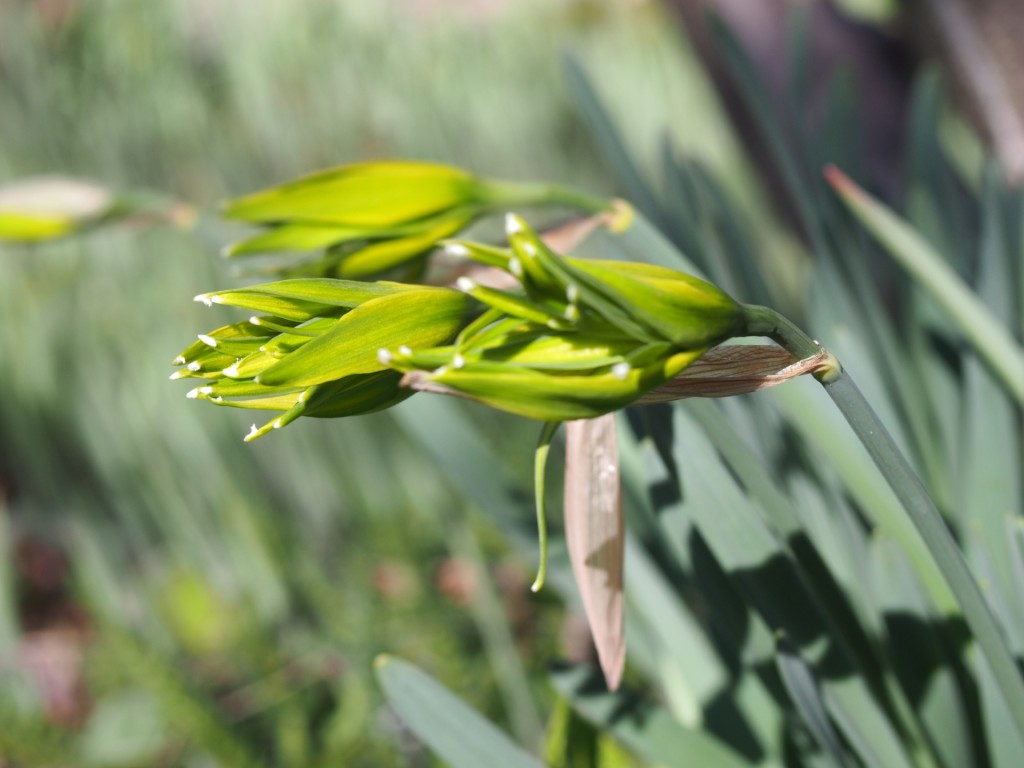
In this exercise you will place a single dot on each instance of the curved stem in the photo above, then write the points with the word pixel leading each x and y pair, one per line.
pixel 761 321
pixel 540 460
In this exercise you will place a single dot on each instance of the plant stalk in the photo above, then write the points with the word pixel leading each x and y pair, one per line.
pixel 762 321
pixel 512 194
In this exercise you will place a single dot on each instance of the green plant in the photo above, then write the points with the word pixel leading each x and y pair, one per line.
pixel 564 368
pixel 781 607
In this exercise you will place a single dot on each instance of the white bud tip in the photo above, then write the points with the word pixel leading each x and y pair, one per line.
pixel 177 375
pixel 572 312
pixel 194 366
pixel 204 298
pixel 458 362
pixel 179 360
pixel 621 370
pixel 404 350
pixel 384 356
pixel 456 249
pixel 441 371
pixel 278 423
pixel 208 340
pixel 253 433
pixel 572 293
pixel 465 284
pixel 529 249
pixel 254 320
pixel 231 371
pixel 515 266
pixel 192 394
pixel 302 395
pixel 513 224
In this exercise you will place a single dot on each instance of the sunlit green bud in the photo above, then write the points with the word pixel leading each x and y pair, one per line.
pixel 298 237
pixel 516 306
pixel 216 342
pixel 382 194
pixel 302 298
pixel 317 354
pixel 540 350
pixel 559 280
pixel 525 264
pixel 351 396
pixel 420 318
pixel 488 255
pixel 370 218
pixel 384 255
pixel 552 396
pixel 644 300
pixel 681 308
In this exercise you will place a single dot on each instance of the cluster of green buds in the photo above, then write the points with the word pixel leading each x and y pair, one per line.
pixel 369 219
pixel 315 349
pixel 568 339
pixel 572 338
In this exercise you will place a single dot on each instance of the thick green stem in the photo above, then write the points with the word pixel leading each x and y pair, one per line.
pixel 761 321
pixel 511 194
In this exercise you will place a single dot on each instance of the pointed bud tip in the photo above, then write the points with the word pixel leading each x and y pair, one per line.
pixel 514 224
pixel 456 249
pixel 194 366
pixel 208 340
pixel 465 284
pixel 384 356
pixel 253 434
pixel 621 370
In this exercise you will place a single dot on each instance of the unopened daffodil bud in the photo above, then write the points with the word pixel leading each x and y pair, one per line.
pixel 370 218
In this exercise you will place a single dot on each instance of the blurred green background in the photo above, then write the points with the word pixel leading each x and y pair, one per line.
pixel 168 593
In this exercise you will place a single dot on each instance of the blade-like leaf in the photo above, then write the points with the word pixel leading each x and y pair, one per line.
pixel 804 692
pixel 985 333
pixel 453 731
pixel 649 731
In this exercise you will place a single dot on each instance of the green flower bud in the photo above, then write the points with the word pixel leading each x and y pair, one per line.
pixel 316 354
pixel 371 218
